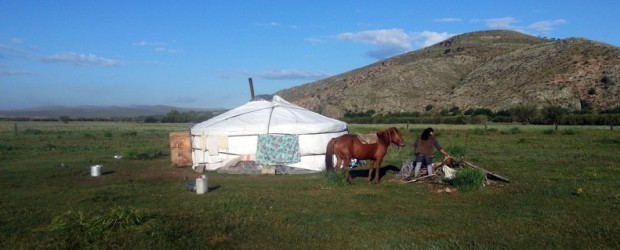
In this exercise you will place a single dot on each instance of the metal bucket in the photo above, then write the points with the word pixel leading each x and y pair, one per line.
pixel 95 170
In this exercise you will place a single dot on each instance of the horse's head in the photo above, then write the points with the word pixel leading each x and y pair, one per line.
pixel 396 137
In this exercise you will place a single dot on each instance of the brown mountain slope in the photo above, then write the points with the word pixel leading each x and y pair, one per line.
pixel 488 69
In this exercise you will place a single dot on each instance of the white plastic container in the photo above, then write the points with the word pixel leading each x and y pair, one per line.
pixel 202 185
pixel 95 170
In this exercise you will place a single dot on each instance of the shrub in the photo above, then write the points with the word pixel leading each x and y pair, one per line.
pixel 119 218
pixel 336 178
pixel 129 133
pixel 479 119
pixel 525 113
pixel 89 136
pixel 502 119
pixel 568 132
pixel 608 140
pixel 468 179
pixel 77 230
pixel 146 154
pixel 478 131
pixel 461 119
pixel 64 119
pixel 32 132
pixel 553 114
pixel 454 151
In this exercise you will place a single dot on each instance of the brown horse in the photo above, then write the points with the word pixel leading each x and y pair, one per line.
pixel 346 147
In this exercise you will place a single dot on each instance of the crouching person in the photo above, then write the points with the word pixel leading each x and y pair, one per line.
pixel 424 147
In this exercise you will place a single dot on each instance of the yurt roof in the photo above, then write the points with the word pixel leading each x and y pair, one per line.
pixel 269 117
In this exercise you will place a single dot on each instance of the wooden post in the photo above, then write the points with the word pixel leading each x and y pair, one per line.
pixel 556 126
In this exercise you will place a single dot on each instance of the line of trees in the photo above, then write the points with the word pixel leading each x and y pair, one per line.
pixel 526 114
pixel 173 116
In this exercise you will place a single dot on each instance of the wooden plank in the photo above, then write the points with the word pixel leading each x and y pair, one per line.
pixel 487 172
pixel 419 178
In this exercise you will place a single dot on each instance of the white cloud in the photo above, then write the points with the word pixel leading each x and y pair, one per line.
pixel 386 38
pixel 16 40
pixel 148 44
pixel 168 50
pixel 448 20
pixel 314 40
pixel 80 59
pixel 157 47
pixel 276 25
pixel 9 51
pixel 268 24
pixel 546 26
pixel 392 42
pixel 501 23
pixel 4 71
pixel 511 23
pixel 389 41
pixel 428 38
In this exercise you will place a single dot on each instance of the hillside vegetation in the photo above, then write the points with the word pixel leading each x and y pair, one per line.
pixel 495 69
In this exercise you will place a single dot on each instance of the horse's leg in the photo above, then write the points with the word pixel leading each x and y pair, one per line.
pixel 347 165
pixel 347 174
pixel 338 162
pixel 378 170
pixel 371 168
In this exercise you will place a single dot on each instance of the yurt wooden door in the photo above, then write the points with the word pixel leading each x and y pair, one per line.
pixel 180 149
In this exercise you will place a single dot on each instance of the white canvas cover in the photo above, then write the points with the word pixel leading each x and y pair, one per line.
pixel 232 136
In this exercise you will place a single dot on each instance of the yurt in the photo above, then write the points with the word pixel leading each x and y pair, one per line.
pixel 267 131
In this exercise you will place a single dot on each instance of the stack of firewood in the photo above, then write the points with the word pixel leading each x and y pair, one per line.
pixel 453 163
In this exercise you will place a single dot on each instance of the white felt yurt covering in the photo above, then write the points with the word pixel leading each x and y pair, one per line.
pixel 230 137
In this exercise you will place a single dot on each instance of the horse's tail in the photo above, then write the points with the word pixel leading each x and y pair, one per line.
pixel 329 155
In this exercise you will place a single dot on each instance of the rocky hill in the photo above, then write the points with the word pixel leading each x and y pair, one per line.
pixel 494 69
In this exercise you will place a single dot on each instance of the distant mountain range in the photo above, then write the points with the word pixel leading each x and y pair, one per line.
pixel 494 69
pixel 94 111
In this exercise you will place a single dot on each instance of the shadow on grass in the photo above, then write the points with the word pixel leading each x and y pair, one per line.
pixel 107 172
pixel 213 188
pixel 363 173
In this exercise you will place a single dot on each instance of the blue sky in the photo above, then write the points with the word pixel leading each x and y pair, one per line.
pixel 201 53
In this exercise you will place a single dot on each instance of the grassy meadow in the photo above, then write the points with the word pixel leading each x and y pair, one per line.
pixel 564 194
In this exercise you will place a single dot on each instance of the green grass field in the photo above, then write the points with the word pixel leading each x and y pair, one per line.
pixel 563 194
